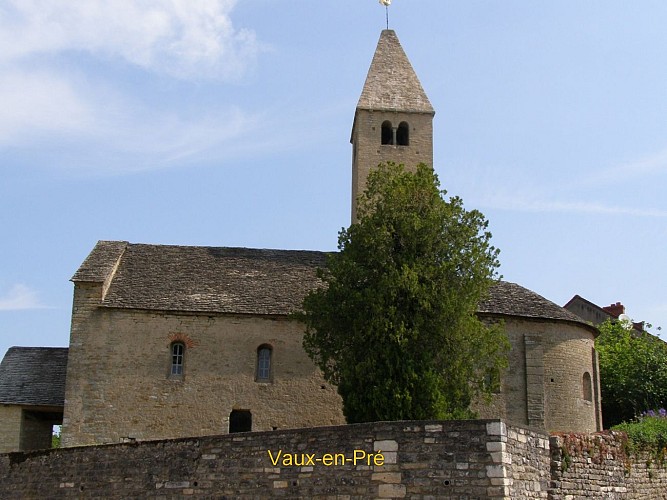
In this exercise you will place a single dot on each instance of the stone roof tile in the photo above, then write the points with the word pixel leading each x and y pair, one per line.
pixel 101 261
pixel 213 279
pixel 509 299
pixel 391 83
pixel 33 376
pixel 255 281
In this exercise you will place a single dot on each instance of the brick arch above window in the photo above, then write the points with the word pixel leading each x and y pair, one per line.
pixel 184 338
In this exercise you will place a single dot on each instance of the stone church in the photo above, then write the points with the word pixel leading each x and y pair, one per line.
pixel 174 341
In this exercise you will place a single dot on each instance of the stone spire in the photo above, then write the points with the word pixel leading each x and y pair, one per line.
pixel 394 118
pixel 392 84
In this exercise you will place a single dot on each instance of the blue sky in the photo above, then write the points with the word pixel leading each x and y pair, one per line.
pixel 227 123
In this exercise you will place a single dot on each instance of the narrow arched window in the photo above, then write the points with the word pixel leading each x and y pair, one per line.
pixel 403 134
pixel 387 133
pixel 587 387
pixel 177 359
pixel 263 363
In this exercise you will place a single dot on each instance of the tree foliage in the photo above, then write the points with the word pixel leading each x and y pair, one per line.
pixel 55 439
pixel 633 372
pixel 394 327
pixel 647 433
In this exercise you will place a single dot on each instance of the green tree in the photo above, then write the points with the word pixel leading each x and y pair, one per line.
pixel 633 372
pixel 55 437
pixel 394 325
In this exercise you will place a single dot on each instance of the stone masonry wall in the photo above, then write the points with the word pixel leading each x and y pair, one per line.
pixel 119 388
pixel 526 461
pixel 567 356
pixel 10 431
pixel 462 459
pixel 543 387
pixel 599 466
pixel 368 152
pixel 476 459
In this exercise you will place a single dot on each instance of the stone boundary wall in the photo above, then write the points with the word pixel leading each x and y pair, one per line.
pixel 600 466
pixel 474 459
pixel 462 459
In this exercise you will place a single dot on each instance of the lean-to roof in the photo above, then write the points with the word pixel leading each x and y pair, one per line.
pixel 33 376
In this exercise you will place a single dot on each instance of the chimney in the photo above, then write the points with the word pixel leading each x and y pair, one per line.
pixel 615 309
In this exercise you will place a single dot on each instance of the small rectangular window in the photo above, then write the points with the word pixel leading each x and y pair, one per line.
pixel 264 364
pixel 177 352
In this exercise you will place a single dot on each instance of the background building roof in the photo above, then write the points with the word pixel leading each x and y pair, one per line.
pixel 592 313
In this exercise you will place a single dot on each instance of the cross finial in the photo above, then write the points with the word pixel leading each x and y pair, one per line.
pixel 386 4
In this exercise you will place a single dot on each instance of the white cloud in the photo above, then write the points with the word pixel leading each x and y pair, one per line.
pixel 60 108
pixel 182 38
pixel 141 140
pixel 516 192
pixel 106 131
pixel 39 102
pixel 515 202
pixel 654 164
pixel 20 297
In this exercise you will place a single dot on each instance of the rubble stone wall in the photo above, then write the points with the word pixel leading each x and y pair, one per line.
pixel 414 459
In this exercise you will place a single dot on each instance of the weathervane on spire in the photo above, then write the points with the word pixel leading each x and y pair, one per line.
pixel 386 4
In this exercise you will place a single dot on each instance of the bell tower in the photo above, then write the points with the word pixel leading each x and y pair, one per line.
pixel 394 118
